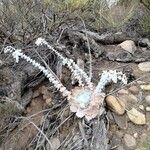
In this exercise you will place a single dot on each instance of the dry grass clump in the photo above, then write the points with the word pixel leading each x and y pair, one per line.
pixel 23 21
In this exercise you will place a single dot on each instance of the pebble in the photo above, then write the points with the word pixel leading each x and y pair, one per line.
pixel 66 113
pixel 140 82
pixel 145 87
pixel 48 101
pixel 136 116
pixel 121 121
pixel 134 89
pixel 55 143
pixel 147 108
pixel 129 141
pixel 129 46
pixel 115 104
pixel 144 66
pixel 147 99
pixel 141 107
pixel 128 99
pixel 135 135
pixel 132 98
pixel 123 91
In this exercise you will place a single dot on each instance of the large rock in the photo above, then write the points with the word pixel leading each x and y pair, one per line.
pixel 145 87
pixel 136 116
pixel 145 66
pixel 129 141
pixel 147 108
pixel 129 46
pixel 134 89
pixel 129 100
pixel 147 99
pixel 115 104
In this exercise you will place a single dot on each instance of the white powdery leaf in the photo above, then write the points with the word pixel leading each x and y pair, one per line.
pixel 9 49
pixel 73 108
pixel 49 76
pixel 109 76
pixel 37 65
pixel 39 41
pixel 62 89
pixel 27 59
pixel 80 114
pixel 16 54
pixel 124 79
pixel 59 85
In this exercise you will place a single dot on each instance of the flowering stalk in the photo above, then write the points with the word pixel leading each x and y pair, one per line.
pixel 17 53
pixel 109 76
pixel 79 74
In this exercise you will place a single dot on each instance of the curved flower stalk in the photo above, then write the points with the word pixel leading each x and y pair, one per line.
pixel 87 100
pixel 78 73
pixel 110 76
pixel 17 53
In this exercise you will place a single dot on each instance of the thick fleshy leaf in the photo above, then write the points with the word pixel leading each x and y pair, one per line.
pixel 92 106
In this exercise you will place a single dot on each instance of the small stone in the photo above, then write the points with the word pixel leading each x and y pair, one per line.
pixel 136 116
pixel 147 99
pixel 140 82
pixel 55 143
pixel 134 89
pixel 48 101
pixel 133 98
pixel 135 135
pixel 121 121
pixel 66 113
pixel 128 99
pixel 123 91
pixel 147 108
pixel 145 66
pixel 141 107
pixel 129 141
pixel 145 87
pixel 129 46
pixel 115 104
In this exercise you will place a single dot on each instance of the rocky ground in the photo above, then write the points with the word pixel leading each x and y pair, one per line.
pixel 34 115
pixel 127 108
